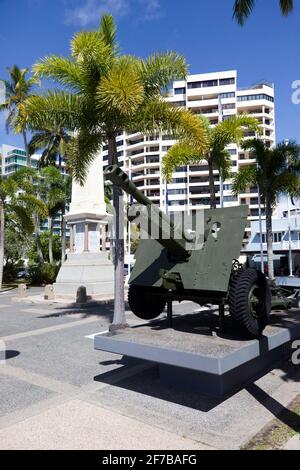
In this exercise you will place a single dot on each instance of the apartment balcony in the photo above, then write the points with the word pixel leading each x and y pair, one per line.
pixel 213 103
pixel 153 174
pixel 136 153
pixel 132 145
pixel 138 177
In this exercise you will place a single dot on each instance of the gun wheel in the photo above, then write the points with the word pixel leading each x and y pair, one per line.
pixel 250 301
pixel 145 302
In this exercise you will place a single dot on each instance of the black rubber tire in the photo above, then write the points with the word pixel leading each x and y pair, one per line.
pixel 241 286
pixel 144 304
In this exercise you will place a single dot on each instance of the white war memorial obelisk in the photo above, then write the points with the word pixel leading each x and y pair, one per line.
pixel 87 266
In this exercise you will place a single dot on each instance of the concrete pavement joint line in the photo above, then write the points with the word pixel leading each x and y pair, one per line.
pixel 63 397
pixel 38 380
pixel 49 329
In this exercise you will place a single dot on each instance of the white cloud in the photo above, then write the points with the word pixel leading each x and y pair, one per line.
pixel 85 12
pixel 152 9
pixel 90 11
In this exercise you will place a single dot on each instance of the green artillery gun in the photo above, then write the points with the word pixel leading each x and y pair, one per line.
pixel 194 259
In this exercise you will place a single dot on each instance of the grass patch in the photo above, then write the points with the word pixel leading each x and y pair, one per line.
pixel 275 434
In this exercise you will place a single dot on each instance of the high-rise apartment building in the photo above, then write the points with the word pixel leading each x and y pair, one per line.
pixel 14 158
pixel 216 96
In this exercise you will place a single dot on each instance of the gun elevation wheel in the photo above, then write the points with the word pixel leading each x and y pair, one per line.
pixel 250 301
pixel 145 302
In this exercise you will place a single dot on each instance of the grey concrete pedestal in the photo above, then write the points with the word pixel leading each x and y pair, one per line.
pixel 91 270
pixel 206 363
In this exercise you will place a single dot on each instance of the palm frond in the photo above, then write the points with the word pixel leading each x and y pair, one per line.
pixel 242 9
pixel 53 107
pixel 159 70
pixel 23 216
pixel 60 69
pixel 244 178
pixel 33 204
pixel 80 153
pixel 108 31
pixel 286 6
pixel 122 90
pixel 178 155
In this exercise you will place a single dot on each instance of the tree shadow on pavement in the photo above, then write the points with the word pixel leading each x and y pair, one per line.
pixel 105 310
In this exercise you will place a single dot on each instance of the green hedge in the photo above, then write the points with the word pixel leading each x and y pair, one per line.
pixel 45 275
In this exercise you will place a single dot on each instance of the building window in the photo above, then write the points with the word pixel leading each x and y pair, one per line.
pixel 204 84
pixel 227 95
pixel 179 180
pixel 228 106
pixel 226 81
pixel 179 103
pixel 177 203
pixel 179 91
pixel 256 97
pixel 176 192
pixel 277 237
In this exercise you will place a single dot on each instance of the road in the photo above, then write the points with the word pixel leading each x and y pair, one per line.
pixel 57 392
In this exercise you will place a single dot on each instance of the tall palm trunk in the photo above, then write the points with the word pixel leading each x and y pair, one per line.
pixel 63 234
pixel 211 179
pixel 2 228
pixel 269 236
pixel 119 320
pixel 26 147
pixel 38 240
pixel 50 242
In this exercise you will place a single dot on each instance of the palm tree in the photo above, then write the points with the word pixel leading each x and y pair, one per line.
pixel 52 190
pixel 53 141
pixel 242 9
pixel 28 180
pixel 231 130
pixel 106 93
pixel 16 205
pixel 277 171
pixel 17 89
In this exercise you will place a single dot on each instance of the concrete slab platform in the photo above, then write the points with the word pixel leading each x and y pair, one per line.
pixel 206 363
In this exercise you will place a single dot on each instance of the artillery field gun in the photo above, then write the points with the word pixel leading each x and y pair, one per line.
pixel 195 260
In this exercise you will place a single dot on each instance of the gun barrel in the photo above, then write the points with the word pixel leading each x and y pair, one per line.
pixel 117 176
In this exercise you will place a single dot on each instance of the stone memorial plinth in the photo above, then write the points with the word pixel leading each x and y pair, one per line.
pixel 87 266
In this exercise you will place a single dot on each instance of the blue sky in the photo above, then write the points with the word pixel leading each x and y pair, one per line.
pixel 266 48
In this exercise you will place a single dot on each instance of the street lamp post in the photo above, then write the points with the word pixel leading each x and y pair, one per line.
pixel 221 172
pixel 262 264
pixel 289 226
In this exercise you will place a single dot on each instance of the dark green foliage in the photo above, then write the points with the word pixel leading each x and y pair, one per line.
pixel 32 254
pixel 17 244
pixel 44 275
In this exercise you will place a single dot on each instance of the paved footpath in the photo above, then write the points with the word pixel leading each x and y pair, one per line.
pixel 58 393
